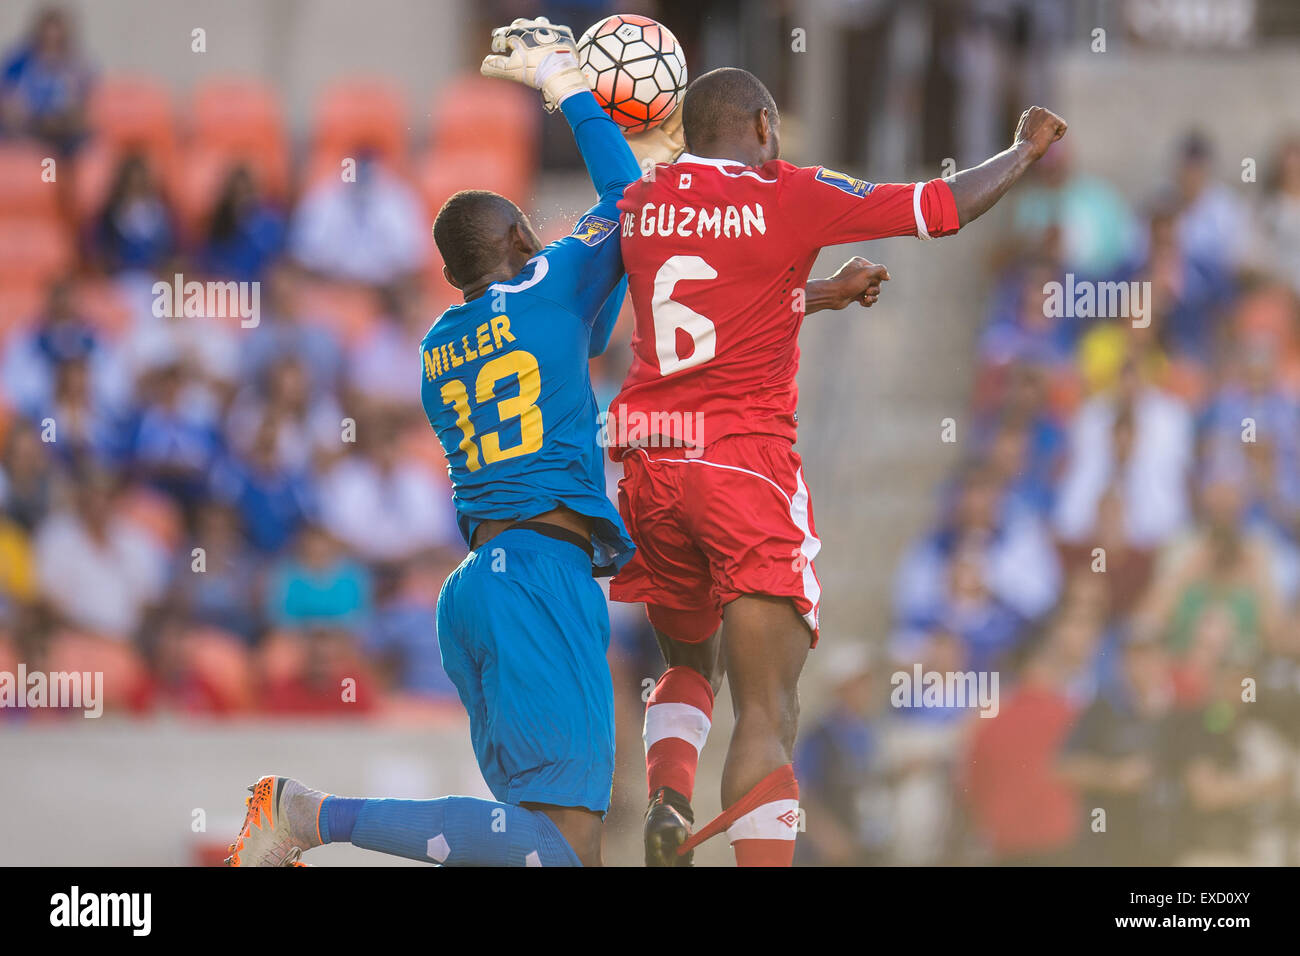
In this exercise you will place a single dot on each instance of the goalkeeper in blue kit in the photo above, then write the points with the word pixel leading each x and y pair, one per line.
pixel 522 625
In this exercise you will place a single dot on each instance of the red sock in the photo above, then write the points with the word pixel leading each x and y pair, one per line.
pixel 761 825
pixel 677 720
pixel 764 835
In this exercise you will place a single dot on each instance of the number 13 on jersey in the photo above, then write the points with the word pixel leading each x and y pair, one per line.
pixel 523 406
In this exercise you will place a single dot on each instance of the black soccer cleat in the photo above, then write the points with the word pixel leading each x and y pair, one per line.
pixel 668 822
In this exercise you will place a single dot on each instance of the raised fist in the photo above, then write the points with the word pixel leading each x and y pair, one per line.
pixel 1039 128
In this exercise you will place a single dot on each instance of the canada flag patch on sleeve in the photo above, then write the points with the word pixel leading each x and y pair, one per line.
pixel 844 182
pixel 594 230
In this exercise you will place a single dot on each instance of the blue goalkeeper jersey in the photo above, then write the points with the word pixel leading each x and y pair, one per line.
pixel 506 384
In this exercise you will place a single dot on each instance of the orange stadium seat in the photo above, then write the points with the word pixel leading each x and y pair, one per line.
pixel 235 120
pixel 23 191
pixel 361 114
pixel 33 250
pixel 135 112
pixel 350 311
pixel 127 114
pixel 124 672
pixel 236 113
pixel 224 663
pixel 282 656
pixel 475 113
pixel 93 178
pixel 442 174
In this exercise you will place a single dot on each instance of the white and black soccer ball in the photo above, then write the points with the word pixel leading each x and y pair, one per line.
pixel 636 68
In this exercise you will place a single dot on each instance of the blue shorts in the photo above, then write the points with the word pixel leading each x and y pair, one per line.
pixel 524 630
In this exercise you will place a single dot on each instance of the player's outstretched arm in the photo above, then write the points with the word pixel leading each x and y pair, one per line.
pixel 584 268
pixel 540 54
pixel 858 280
pixel 978 188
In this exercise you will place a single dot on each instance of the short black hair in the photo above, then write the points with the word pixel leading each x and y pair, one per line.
pixel 469 231
pixel 721 103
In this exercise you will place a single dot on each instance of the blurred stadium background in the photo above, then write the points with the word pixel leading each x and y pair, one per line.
pixel 1119 690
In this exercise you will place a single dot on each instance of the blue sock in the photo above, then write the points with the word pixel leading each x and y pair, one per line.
pixel 452 831
pixel 338 816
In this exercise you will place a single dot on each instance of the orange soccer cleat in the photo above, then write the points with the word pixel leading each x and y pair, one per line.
pixel 281 822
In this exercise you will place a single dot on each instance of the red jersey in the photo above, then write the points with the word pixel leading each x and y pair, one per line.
pixel 717 256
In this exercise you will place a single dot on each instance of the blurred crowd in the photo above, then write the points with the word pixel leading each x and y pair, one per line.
pixel 1121 545
pixel 227 513
pixel 230 518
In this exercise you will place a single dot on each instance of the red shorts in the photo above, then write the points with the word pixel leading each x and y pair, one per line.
pixel 736 520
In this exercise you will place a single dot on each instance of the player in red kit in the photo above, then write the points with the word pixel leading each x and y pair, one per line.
pixel 718 248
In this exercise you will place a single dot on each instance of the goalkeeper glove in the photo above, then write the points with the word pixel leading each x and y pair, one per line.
pixel 539 54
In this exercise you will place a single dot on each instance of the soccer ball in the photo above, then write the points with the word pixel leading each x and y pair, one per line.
pixel 636 68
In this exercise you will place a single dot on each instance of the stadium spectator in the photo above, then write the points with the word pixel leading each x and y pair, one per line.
pixel 1021 568
pixel 1020 327
pixel 398 641
pixel 1212 225
pixel 26 478
pixel 1217 587
pixel 220 587
pixel 1021 808
pixel 1277 243
pixel 1023 458
pixel 288 333
pixel 1118 757
pixel 17 572
pixel 100 573
pixel 1081 215
pixel 59 333
pixel 173 683
pixel 86 431
pixel 327 676
pixel 245 233
pixel 984 626
pixel 136 228
pixel 384 508
pixel 318 586
pixel 273 500
pixel 1138 439
pixel 44 84
pixel 1224 793
pixel 174 439
pixel 372 230
pixel 1123 569
pixel 1188 292
pixel 403 320
pixel 306 429
pixel 842 785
